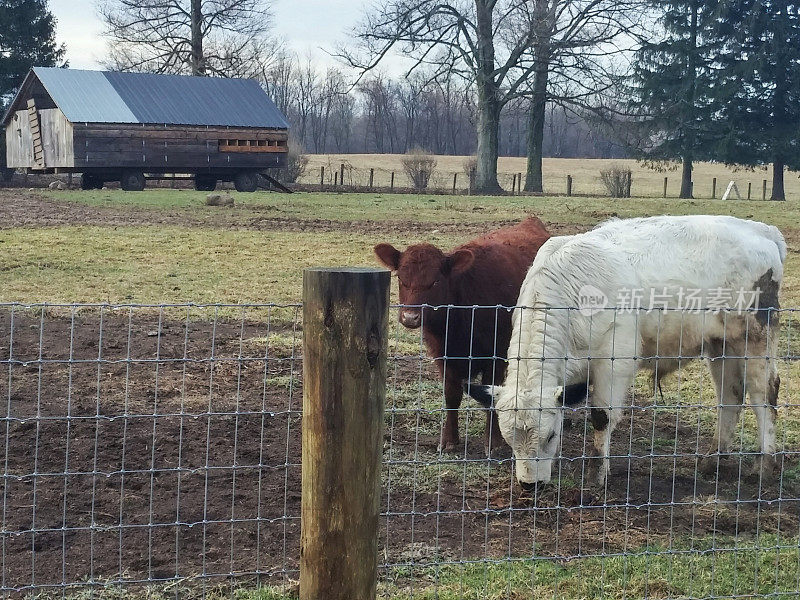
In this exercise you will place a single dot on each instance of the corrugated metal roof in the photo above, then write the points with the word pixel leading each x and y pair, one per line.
pixel 85 96
pixel 112 97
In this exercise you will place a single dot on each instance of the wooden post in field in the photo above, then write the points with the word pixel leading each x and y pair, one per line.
pixel 764 190
pixel 714 188
pixel 455 181
pixel 519 183
pixel 345 333
pixel 391 186
pixel 471 180
pixel 335 179
pixel 513 184
pixel 569 185
pixel 371 177
pixel 322 176
pixel 749 187
pixel 69 179
pixel 665 187
pixel 341 175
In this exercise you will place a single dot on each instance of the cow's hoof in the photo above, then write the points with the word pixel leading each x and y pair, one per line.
pixel 764 469
pixel 448 446
pixel 714 463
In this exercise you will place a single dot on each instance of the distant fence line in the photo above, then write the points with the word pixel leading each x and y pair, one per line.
pixel 347 178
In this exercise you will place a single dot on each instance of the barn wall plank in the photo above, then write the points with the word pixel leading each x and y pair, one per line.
pixel 56 138
pixel 19 141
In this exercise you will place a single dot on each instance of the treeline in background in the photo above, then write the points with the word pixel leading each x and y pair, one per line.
pixel 668 82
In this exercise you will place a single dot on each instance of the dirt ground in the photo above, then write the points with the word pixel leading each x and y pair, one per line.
pixel 23 208
pixel 168 449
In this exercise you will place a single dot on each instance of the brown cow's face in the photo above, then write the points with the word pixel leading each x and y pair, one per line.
pixel 424 275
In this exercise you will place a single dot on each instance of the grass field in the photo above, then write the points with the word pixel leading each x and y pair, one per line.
pixel 470 540
pixel 647 182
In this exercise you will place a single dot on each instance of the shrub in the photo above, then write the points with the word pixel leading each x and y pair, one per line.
pixel 419 166
pixel 470 165
pixel 617 180
pixel 296 164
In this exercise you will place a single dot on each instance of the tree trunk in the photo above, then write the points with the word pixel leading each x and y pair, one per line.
pixel 689 133
pixel 198 62
pixel 778 192
pixel 488 103
pixel 686 176
pixel 488 142
pixel 535 140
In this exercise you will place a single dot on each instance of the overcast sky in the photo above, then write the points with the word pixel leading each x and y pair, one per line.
pixel 306 25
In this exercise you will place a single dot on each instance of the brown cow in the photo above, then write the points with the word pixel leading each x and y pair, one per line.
pixel 487 271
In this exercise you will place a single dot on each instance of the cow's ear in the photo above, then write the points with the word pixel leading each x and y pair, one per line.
pixel 459 261
pixel 388 255
pixel 482 394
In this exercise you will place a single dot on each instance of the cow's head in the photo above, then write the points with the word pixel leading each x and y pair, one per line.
pixel 424 274
pixel 530 421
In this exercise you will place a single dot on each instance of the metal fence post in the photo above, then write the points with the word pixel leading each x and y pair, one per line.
pixel 345 333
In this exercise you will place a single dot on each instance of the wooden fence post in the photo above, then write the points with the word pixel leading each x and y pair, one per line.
pixel 455 181
pixel 371 177
pixel 335 179
pixel 391 186
pixel 749 188
pixel 471 180
pixel 665 187
pixel 345 333
pixel 341 175
pixel 569 185
pixel 513 184
pixel 764 190
pixel 519 183
pixel 714 188
pixel 322 176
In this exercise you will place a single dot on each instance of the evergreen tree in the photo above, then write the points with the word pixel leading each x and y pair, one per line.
pixel 27 39
pixel 671 83
pixel 759 86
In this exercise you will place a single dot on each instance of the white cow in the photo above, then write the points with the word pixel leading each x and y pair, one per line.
pixel 714 261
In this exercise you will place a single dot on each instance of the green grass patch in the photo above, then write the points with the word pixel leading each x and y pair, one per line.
pixel 724 567
pixel 166 264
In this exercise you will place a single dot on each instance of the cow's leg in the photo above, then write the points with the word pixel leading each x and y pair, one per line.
pixel 612 380
pixel 727 374
pixel 762 383
pixel 493 441
pixel 453 386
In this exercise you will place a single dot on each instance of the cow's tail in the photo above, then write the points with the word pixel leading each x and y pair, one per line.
pixel 777 237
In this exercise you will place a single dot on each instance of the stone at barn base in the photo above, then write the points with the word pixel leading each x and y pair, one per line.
pixel 219 200
pixel 57 185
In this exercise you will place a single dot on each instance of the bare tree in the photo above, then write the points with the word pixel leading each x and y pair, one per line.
pixel 484 41
pixel 577 48
pixel 201 37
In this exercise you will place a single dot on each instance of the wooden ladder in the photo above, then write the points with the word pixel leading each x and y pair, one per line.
pixel 36 134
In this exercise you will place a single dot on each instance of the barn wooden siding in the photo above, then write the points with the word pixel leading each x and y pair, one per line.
pixel 175 147
pixel 54 137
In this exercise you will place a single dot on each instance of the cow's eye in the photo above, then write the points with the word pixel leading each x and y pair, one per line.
pixel 551 437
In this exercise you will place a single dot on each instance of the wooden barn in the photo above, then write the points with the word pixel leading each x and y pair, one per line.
pixel 130 127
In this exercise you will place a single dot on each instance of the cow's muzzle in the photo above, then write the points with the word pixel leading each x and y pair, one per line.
pixel 411 318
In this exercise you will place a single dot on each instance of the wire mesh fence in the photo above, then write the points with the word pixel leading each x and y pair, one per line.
pixel 158 447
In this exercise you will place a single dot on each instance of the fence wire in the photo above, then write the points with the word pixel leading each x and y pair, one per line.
pixel 158 447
